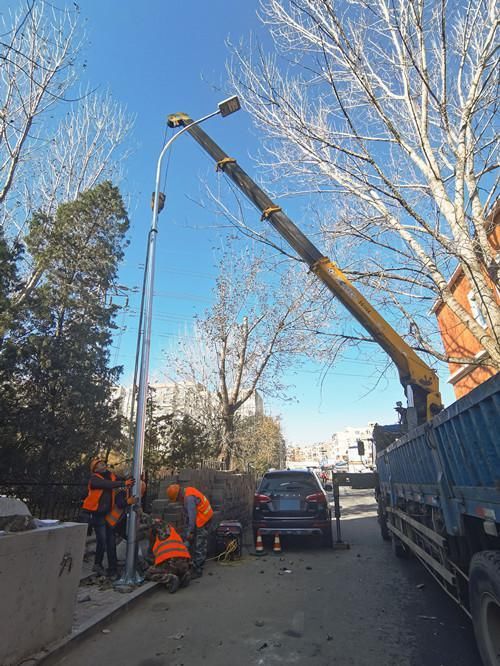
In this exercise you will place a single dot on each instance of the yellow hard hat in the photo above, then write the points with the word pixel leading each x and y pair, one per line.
pixel 173 492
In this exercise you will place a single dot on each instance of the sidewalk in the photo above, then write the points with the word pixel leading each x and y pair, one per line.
pixel 97 603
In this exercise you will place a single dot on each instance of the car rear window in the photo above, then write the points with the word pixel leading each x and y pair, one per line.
pixel 274 483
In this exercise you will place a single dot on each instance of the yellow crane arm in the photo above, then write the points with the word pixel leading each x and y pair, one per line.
pixel 420 382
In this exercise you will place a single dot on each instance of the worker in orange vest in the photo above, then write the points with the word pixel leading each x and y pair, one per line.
pixel 172 560
pixel 116 517
pixel 100 501
pixel 198 514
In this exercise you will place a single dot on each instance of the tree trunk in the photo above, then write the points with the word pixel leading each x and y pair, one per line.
pixel 226 451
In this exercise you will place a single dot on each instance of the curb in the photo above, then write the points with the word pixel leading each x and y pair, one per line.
pixel 57 650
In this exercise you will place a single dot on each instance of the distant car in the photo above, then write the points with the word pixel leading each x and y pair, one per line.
pixel 292 502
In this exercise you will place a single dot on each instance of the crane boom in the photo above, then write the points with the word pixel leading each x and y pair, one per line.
pixel 419 381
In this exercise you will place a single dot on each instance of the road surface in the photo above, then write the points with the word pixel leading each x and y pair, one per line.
pixel 307 606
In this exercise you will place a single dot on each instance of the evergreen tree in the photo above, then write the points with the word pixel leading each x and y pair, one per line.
pixel 8 279
pixel 57 352
pixel 189 444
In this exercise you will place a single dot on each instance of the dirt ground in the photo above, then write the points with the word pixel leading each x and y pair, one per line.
pixel 308 606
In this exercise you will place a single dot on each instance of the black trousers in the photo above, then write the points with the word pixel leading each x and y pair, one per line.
pixel 105 541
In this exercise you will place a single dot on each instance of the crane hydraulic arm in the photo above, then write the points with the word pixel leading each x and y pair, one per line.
pixel 419 381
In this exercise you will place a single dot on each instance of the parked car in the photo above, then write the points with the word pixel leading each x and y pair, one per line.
pixel 292 502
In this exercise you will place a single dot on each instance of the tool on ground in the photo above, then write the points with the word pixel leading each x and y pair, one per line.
pixel 259 544
pixel 277 543
pixel 338 544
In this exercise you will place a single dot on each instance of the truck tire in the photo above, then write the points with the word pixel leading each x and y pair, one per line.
pixel 399 549
pixel 484 595
pixel 382 521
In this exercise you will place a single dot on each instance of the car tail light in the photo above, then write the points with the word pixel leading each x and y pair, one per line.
pixel 319 498
pixel 260 499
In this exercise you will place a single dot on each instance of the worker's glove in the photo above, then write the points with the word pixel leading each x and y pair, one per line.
pixel 129 482
pixel 132 500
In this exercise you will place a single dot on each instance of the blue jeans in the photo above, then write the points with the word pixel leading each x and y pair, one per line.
pixel 105 541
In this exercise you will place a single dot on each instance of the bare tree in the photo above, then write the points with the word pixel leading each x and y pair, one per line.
pixel 39 46
pixel 87 148
pixel 52 148
pixel 259 442
pixel 259 325
pixel 386 108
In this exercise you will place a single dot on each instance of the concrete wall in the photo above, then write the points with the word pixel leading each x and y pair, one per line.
pixel 39 576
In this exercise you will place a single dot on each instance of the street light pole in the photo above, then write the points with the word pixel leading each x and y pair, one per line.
pixel 131 576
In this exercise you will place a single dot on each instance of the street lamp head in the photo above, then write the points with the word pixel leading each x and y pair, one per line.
pixel 229 105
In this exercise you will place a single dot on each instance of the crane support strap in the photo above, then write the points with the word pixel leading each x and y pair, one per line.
pixel 270 211
pixel 222 163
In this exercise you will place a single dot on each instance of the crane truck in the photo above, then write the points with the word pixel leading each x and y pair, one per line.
pixel 438 490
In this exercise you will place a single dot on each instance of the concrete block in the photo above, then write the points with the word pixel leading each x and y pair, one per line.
pixel 39 576
pixel 159 505
pixel 11 506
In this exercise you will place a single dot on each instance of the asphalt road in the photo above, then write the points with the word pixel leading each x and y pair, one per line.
pixel 357 607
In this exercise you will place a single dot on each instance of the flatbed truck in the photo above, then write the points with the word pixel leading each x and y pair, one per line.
pixel 438 490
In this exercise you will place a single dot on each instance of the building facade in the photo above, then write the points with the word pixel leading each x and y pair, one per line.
pixel 254 406
pixel 457 339
pixel 186 399
pixel 345 446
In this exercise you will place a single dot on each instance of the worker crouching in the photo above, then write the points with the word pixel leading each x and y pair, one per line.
pixel 198 514
pixel 172 561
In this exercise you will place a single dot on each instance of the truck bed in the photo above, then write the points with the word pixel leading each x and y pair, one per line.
pixel 454 458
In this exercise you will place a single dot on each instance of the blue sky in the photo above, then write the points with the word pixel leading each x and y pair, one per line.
pixel 159 57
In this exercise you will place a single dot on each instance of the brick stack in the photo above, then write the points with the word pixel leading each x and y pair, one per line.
pixel 229 493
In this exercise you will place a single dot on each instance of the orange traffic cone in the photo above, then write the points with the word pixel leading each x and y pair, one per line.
pixel 277 543
pixel 259 546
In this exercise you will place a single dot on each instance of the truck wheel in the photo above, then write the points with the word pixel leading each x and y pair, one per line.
pixel 382 521
pixel 399 549
pixel 484 595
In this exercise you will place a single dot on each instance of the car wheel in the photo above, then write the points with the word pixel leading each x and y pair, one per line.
pixel 484 595
pixel 327 538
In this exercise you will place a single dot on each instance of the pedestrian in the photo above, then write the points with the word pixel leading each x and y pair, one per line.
pixel 198 514
pixel 172 560
pixel 99 503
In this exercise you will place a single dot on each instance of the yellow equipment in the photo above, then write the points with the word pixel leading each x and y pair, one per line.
pixel 419 381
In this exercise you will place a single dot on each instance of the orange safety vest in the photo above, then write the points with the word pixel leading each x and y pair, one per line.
pixel 203 510
pixel 114 516
pixel 91 502
pixel 172 546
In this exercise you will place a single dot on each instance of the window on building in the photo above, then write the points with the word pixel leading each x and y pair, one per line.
pixel 476 309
